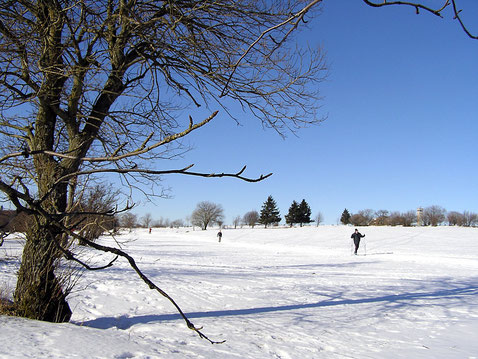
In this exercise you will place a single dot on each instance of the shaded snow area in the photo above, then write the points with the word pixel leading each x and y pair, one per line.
pixel 270 293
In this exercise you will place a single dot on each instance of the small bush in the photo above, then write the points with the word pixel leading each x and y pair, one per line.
pixel 6 304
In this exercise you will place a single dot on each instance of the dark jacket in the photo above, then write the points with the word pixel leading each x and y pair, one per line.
pixel 356 236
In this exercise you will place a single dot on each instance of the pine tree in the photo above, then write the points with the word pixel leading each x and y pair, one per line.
pixel 345 219
pixel 304 213
pixel 269 212
pixel 293 215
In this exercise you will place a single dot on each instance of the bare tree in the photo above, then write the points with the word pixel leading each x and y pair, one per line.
pixel 251 218
pixel 236 221
pixel 319 218
pixel 363 218
pixel 162 223
pixel 207 213
pixel 455 218
pixel 470 219
pixel 177 223
pixel 129 220
pixel 395 218
pixel 367 214
pixel 84 89
pixel 147 220
pixel 381 217
pixel 408 218
pixel 358 220
pixel 434 215
pixel 92 224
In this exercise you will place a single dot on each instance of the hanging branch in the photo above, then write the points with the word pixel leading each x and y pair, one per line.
pixel 457 17
pixel 417 6
pixel 118 253
pixel 436 12
pixel 182 171
pixel 150 284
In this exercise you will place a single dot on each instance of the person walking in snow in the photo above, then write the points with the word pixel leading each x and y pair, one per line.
pixel 219 235
pixel 356 237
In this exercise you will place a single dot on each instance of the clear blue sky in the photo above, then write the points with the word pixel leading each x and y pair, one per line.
pixel 401 100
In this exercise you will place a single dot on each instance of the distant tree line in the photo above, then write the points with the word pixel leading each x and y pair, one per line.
pixel 130 220
pixel 207 213
pixel 431 216
pixel 299 213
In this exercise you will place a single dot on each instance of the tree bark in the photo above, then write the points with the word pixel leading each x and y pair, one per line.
pixel 39 293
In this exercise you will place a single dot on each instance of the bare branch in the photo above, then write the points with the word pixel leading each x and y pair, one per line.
pixel 69 255
pixel 417 6
pixel 458 17
pixel 182 171
pixel 435 11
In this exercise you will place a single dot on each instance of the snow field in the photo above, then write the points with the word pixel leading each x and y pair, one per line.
pixel 270 293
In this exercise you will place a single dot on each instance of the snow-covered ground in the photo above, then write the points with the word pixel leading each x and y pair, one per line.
pixel 270 293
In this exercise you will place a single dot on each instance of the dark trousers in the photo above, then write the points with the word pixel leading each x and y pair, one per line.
pixel 357 243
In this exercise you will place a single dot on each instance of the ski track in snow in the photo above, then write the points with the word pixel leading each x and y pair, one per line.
pixel 270 293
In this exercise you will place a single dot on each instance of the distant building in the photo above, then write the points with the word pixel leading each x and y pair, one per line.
pixel 419 216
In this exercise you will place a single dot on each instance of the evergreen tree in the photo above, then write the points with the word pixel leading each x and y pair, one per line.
pixel 304 213
pixel 293 215
pixel 345 219
pixel 269 212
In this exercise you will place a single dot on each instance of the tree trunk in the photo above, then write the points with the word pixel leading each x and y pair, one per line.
pixel 39 293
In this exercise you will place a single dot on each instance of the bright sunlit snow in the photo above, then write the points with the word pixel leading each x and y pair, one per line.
pixel 270 293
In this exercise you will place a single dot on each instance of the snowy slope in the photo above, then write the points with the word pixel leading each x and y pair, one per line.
pixel 270 293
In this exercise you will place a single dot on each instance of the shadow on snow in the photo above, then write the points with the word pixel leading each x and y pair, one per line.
pixel 403 299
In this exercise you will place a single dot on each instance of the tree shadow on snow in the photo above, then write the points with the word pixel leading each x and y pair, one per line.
pixel 462 294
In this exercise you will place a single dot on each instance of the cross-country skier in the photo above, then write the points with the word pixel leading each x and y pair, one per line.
pixel 219 235
pixel 356 237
